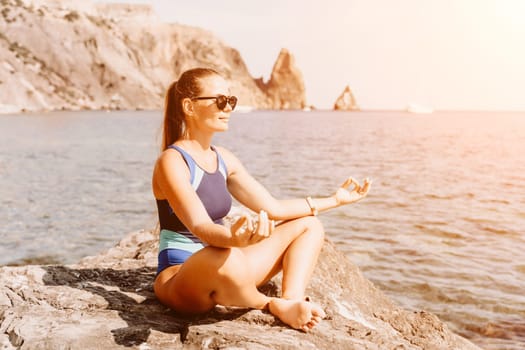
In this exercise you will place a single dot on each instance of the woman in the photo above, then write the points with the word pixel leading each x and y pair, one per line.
pixel 203 263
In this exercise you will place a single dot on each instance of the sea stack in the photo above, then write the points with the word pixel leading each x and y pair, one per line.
pixel 346 101
pixel 285 88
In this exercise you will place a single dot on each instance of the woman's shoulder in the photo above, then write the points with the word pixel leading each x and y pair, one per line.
pixel 170 166
pixel 170 158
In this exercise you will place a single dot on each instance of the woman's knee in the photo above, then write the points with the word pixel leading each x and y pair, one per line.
pixel 313 226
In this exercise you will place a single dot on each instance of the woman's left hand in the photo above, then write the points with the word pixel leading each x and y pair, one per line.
pixel 346 194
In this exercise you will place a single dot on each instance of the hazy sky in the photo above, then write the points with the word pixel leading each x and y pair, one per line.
pixel 448 54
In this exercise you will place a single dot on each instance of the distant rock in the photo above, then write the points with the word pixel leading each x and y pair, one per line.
pixel 107 302
pixel 346 101
pixel 60 54
pixel 286 86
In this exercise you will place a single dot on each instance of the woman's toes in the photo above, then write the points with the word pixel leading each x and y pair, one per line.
pixel 317 311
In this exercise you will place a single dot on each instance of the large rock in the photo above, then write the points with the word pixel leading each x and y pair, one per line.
pixel 59 54
pixel 286 86
pixel 107 302
pixel 346 101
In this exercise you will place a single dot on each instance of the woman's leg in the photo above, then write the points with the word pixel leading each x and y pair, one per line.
pixel 293 247
pixel 209 277
pixel 230 276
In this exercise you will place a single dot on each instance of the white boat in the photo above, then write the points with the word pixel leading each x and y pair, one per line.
pixel 243 108
pixel 419 109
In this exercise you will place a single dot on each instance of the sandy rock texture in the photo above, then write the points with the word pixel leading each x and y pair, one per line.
pixel 107 302
pixel 60 54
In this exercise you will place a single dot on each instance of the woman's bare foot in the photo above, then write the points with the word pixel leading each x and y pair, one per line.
pixel 297 314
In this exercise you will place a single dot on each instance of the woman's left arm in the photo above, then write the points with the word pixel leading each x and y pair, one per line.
pixel 250 193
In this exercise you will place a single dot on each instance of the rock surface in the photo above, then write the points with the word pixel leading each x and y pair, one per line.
pixel 60 54
pixel 346 101
pixel 107 302
pixel 286 85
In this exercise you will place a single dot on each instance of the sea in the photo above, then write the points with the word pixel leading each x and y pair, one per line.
pixel 442 229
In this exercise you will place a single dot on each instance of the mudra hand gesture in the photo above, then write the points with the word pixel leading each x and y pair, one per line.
pixel 247 230
pixel 346 194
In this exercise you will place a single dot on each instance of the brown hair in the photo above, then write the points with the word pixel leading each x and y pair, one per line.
pixel 188 85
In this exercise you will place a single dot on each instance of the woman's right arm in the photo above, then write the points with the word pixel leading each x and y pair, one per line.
pixel 171 180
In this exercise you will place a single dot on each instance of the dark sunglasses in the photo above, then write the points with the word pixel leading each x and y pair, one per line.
pixel 220 100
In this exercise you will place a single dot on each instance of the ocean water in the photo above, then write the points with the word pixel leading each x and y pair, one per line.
pixel 443 228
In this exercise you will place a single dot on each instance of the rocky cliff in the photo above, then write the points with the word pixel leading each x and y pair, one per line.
pixel 82 55
pixel 346 101
pixel 107 302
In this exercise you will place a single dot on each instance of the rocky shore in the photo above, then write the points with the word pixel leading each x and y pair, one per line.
pixel 107 302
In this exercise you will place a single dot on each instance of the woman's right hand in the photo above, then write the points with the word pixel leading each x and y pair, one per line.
pixel 246 232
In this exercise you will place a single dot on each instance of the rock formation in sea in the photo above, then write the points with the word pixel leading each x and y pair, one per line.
pixel 346 101
pixel 285 86
pixel 65 54
pixel 107 302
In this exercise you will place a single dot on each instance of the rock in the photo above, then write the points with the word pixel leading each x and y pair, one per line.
pixel 286 86
pixel 346 101
pixel 72 55
pixel 107 302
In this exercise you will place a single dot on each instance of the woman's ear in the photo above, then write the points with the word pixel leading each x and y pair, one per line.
pixel 187 107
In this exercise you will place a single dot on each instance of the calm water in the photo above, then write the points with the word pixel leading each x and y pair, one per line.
pixel 443 228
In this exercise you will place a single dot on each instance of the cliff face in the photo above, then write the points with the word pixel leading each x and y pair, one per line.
pixel 107 302
pixel 286 86
pixel 346 101
pixel 81 55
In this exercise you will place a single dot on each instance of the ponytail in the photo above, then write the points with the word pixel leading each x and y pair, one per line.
pixel 173 119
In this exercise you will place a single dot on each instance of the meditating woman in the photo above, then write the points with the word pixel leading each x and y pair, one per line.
pixel 202 262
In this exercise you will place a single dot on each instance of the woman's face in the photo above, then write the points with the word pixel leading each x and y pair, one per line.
pixel 207 115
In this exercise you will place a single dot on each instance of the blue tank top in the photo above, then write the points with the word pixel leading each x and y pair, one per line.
pixel 210 188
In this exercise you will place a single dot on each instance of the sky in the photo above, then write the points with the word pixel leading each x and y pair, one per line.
pixel 443 54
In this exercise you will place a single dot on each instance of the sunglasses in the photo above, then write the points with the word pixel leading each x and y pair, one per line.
pixel 220 100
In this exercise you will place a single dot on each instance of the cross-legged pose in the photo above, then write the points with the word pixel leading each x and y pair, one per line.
pixel 202 262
